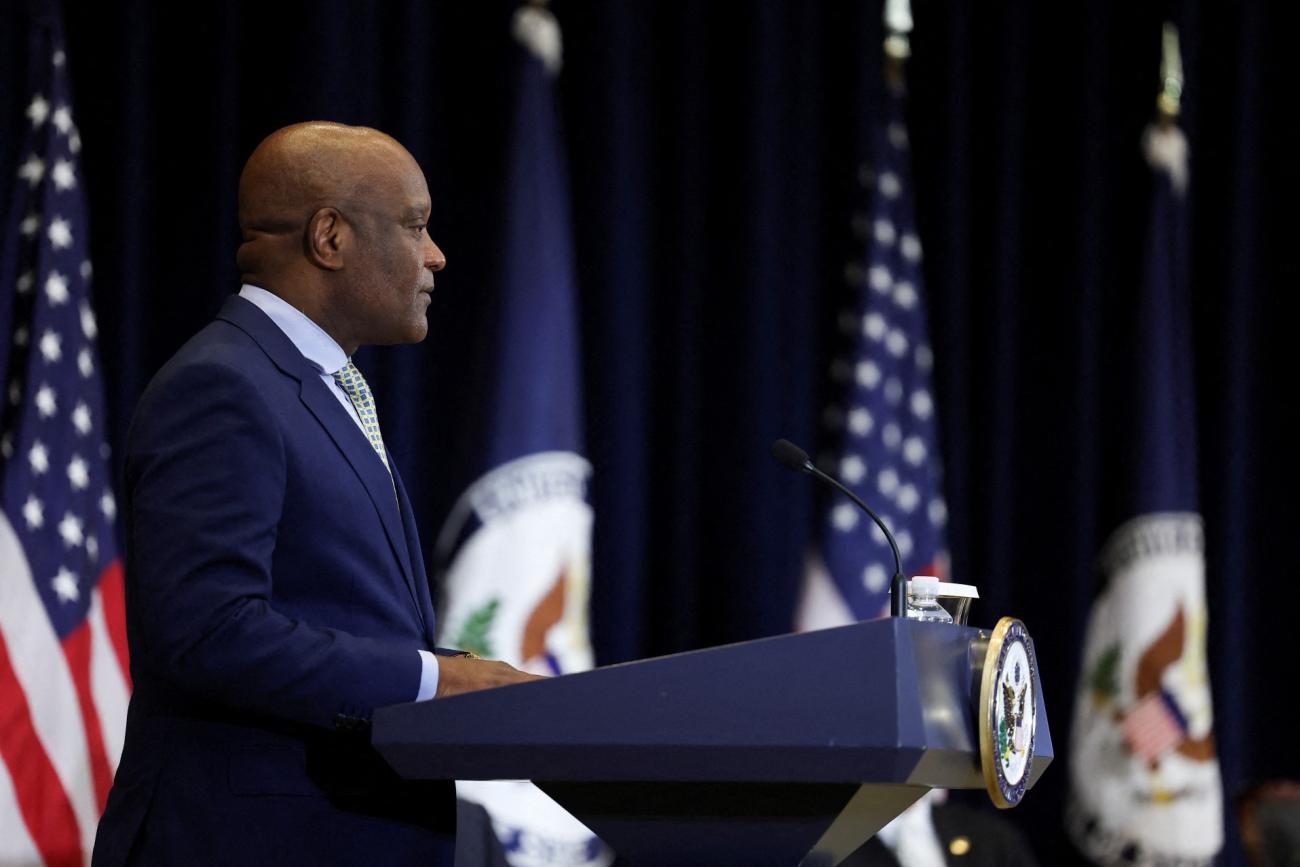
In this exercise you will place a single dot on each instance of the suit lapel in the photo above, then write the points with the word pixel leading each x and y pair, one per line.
pixel 338 424
pixel 366 464
pixel 422 589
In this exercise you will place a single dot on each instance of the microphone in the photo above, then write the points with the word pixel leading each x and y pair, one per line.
pixel 792 457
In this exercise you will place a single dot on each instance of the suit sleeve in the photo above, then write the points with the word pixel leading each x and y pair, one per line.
pixel 206 473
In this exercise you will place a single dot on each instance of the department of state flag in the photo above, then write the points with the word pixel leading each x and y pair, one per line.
pixel 1144 778
pixel 519 540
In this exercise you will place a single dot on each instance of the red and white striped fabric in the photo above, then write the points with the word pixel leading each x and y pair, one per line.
pixel 1151 728
pixel 62 716
pixel 64 681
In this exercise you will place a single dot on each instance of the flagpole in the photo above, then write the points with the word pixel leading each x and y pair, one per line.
pixel 1169 99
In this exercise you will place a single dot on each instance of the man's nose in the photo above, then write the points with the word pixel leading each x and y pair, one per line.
pixel 434 260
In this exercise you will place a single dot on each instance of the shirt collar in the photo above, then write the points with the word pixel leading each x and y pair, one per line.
pixel 310 339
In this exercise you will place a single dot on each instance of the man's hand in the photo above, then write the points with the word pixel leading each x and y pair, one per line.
pixel 458 674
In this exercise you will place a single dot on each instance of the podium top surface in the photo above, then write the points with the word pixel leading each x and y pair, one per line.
pixel 883 701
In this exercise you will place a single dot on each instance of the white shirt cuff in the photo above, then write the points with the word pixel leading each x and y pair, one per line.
pixel 428 676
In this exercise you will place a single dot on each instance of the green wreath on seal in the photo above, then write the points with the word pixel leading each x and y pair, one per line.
pixel 475 631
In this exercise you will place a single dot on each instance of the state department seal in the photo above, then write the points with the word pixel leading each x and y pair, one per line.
pixel 1008 710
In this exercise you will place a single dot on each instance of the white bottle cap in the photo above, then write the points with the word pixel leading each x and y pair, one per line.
pixel 928 581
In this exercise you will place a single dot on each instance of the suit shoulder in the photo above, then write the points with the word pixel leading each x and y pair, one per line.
pixel 219 365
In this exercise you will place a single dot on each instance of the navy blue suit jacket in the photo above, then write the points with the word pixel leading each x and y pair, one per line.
pixel 276 594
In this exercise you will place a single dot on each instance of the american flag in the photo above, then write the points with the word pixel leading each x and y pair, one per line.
pixel 1154 726
pixel 884 418
pixel 63 661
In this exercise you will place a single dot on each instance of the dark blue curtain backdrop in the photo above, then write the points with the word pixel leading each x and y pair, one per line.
pixel 714 151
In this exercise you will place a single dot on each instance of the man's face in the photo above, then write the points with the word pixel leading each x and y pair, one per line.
pixel 391 269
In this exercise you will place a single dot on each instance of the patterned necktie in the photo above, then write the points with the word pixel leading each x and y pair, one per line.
pixel 354 386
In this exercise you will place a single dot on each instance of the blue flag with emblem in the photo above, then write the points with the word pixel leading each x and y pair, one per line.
pixel 883 418
pixel 1144 778
pixel 518 543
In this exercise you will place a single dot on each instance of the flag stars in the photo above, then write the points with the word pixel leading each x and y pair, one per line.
pixel 38 110
pixel 88 326
pixel 33 513
pixel 938 512
pixel 15 392
pixel 92 547
pixel 7 445
pixel 874 578
pixel 889 185
pixel 879 278
pixel 924 357
pixel 905 544
pixel 867 374
pixel 860 421
pixel 21 336
pixel 39 458
pixel 70 529
pixel 46 404
pixel 86 270
pixel 26 281
pixel 887 481
pixel 914 451
pixel 922 404
pixel 874 326
pixel 896 342
pixel 32 170
pixel 63 175
pixel 65 586
pixel 908 498
pixel 60 234
pixel 78 473
pixel 62 119
pixel 51 346
pixel 844 517
pixel 56 287
pixel 85 364
pixel 81 419
pixel 108 506
pixel 892 435
pixel 59 58
pixel 910 247
pixel 884 232
pixel 30 225
pixel 853 469
pixel 905 295
pixel 893 391
pixel 74 141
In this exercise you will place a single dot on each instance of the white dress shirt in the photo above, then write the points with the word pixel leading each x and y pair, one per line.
pixel 328 357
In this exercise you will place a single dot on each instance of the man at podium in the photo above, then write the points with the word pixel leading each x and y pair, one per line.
pixel 275 587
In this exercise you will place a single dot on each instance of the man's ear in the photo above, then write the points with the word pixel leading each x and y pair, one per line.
pixel 324 238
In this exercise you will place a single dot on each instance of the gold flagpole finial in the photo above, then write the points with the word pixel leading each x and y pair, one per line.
pixel 898 24
pixel 1169 101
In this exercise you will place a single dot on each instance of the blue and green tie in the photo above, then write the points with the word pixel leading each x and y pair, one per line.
pixel 354 386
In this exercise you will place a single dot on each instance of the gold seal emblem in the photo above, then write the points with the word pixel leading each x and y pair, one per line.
pixel 1008 711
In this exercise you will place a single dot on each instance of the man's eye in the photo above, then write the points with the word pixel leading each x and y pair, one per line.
pixel 419 230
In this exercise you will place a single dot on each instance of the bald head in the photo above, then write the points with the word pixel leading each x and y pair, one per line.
pixel 295 172
pixel 332 217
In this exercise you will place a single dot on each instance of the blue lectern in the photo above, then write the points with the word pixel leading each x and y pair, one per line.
pixel 782 751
